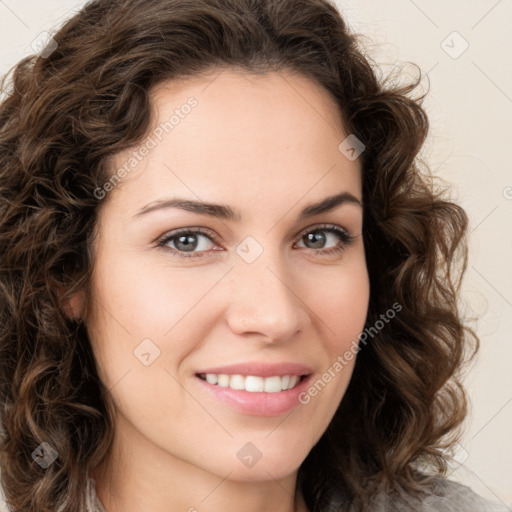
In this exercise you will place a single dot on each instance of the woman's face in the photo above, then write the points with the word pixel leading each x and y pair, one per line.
pixel 268 285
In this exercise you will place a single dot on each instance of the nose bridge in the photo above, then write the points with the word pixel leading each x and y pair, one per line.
pixel 262 297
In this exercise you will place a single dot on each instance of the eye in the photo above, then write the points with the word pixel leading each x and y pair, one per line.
pixel 317 237
pixel 194 242
pixel 187 241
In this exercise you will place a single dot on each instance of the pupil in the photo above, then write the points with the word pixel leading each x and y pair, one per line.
pixel 189 242
pixel 316 237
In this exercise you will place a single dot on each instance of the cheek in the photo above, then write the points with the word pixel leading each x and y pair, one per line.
pixel 149 298
pixel 136 302
pixel 341 301
pixel 141 331
pixel 340 305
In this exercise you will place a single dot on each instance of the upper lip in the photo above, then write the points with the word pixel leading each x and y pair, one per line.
pixel 260 369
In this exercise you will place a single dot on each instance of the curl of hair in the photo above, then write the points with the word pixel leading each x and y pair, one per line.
pixel 60 123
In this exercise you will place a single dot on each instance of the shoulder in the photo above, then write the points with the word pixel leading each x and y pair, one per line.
pixel 439 494
pixel 450 495
pixel 444 496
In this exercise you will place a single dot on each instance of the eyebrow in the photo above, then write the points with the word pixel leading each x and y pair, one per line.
pixel 227 213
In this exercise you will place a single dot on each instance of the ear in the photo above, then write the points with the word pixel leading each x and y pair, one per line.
pixel 72 307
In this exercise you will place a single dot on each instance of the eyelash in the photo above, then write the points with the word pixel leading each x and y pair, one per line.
pixel 346 240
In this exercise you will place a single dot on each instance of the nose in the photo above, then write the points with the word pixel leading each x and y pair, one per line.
pixel 264 300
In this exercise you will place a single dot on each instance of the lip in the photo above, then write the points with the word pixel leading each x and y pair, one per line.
pixel 260 369
pixel 258 403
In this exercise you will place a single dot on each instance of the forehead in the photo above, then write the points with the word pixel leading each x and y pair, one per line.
pixel 228 97
pixel 232 132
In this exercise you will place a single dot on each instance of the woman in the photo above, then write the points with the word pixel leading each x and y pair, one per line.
pixel 225 280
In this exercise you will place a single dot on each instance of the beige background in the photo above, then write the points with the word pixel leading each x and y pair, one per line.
pixel 470 109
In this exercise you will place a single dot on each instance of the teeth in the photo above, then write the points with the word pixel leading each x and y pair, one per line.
pixel 272 385
pixel 237 382
pixel 253 383
pixel 293 381
pixel 211 378
pixel 223 381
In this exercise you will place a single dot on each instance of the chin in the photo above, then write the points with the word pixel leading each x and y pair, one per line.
pixel 274 465
pixel 262 473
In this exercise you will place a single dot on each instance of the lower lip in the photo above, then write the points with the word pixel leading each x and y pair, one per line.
pixel 258 403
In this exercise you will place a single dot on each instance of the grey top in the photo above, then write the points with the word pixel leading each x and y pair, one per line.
pixel 449 496
pixel 93 502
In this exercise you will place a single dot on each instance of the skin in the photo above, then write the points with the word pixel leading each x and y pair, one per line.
pixel 267 146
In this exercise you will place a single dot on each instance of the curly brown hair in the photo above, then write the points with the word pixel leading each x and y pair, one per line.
pixel 69 112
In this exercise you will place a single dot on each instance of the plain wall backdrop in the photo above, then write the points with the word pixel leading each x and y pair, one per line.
pixel 464 47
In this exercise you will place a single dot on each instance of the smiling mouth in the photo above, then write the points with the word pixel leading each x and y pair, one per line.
pixel 253 383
